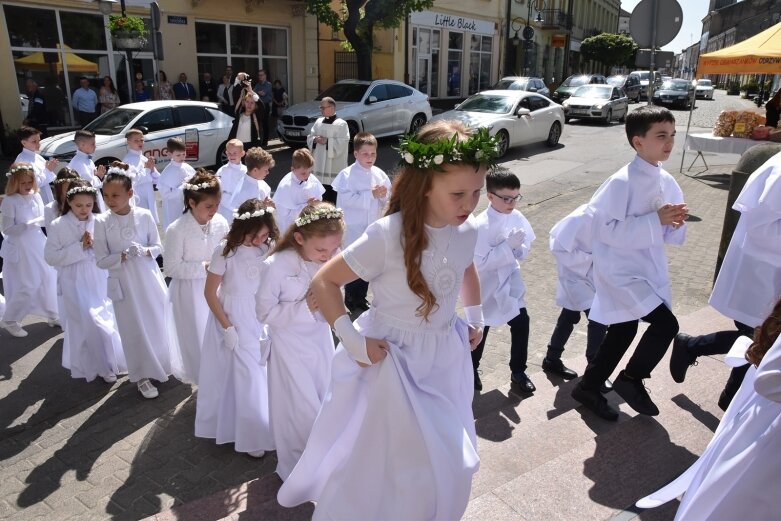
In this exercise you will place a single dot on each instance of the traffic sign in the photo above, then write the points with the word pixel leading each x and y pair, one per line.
pixel 669 18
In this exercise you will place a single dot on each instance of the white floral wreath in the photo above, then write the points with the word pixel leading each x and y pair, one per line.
pixel 62 180
pixel 81 190
pixel 319 213
pixel 251 215
pixel 195 188
pixel 24 167
pixel 121 171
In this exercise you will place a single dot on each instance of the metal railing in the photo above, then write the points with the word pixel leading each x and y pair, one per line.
pixel 556 19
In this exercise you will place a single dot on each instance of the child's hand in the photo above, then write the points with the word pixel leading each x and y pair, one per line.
pixel 312 200
pixel 673 214
pixel 376 350
pixel 379 192
pixel 100 171
pixel 475 335
pixel 123 256
pixel 516 238
pixel 51 165
pixel 311 301
pixel 150 163
pixel 206 265
pixel 269 202
pixel 86 240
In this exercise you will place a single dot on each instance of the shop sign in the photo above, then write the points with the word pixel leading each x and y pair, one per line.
pixel 558 40
pixel 452 22
pixel 177 20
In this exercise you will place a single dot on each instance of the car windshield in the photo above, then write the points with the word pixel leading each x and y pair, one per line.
pixel 516 84
pixel 352 92
pixel 676 85
pixel 704 83
pixel 616 81
pixel 113 121
pixel 575 81
pixel 490 104
pixel 643 75
pixel 593 91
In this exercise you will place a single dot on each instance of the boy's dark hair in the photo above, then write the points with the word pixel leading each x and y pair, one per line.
pixel 175 144
pixel 26 132
pixel 362 139
pixel 499 178
pixel 82 135
pixel 639 121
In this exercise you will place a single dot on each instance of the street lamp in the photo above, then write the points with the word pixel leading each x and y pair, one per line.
pixel 528 31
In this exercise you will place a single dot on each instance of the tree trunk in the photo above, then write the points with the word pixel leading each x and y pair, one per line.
pixel 358 40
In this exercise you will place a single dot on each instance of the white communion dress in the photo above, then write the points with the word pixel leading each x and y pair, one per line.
pixel 232 403
pixel 397 440
pixel 299 365
pixel 92 346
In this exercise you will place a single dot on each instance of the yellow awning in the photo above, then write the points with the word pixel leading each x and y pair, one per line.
pixel 760 54
pixel 37 62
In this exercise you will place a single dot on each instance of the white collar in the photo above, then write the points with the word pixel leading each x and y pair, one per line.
pixel 645 167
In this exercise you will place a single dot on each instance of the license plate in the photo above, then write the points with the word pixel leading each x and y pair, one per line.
pixel 293 133
pixel 580 111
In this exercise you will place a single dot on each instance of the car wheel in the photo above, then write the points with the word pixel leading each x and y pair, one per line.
pixel 353 126
pixel 622 119
pixel 608 116
pixel 554 134
pixel 503 143
pixel 221 157
pixel 418 121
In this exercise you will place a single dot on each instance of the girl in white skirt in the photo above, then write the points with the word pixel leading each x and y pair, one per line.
pixel 395 438
pixel 302 347
pixel 29 283
pixel 53 209
pixel 92 346
pixel 189 243
pixel 232 403
pixel 126 244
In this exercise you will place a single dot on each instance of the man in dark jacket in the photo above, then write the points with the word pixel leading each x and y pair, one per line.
pixel 208 87
pixel 36 109
pixel 184 90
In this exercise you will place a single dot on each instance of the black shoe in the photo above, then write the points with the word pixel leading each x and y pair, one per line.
pixel 595 402
pixel 681 358
pixel 634 394
pixel 522 383
pixel 356 306
pixel 478 382
pixel 557 367
pixel 724 401
pixel 606 387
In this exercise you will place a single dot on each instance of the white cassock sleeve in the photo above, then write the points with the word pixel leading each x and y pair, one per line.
pixel 270 309
pixel 768 379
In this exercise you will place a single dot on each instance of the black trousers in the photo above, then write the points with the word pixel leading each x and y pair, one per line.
pixel 356 291
pixel 564 326
pixel 519 343
pixel 649 352
pixel 85 117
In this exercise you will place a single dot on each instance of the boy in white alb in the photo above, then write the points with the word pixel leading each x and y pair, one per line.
pixel 297 189
pixel 231 175
pixel 253 186
pixel 362 191
pixel 82 162
pixel 144 171
pixel 637 211
pixel 44 170
pixel 504 237
pixel 170 183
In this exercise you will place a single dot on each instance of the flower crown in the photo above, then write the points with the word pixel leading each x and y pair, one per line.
pixel 120 171
pixel 479 149
pixel 25 167
pixel 251 215
pixel 321 212
pixel 80 190
pixel 200 186
pixel 61 180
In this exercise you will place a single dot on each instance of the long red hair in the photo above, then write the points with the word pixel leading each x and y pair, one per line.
pixel 765 336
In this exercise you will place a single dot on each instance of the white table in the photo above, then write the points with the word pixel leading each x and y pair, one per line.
pixel 707 142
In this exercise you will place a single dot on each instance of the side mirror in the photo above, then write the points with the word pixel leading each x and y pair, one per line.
pixel 523 112
pixel 371 99
pixel 143 129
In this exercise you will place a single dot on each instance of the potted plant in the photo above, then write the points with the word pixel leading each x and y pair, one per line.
pixel 127 31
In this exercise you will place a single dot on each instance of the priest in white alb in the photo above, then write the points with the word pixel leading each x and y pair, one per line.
pixel 329 140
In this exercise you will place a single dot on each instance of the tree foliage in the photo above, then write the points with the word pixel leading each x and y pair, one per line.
pixel 608 48
pixel 359 18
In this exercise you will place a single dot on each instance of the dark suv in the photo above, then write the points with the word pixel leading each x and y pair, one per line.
pixel 569 85
pixel 629 84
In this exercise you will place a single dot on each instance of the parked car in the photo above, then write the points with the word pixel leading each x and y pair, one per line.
pixel 569 85
pixel 202 125
pixel 704 89
pixel 644 77
pixel 629 84
pixel 522 83
pixel 515 117
pixel 382 107
pixel 604 102
pixel 675 93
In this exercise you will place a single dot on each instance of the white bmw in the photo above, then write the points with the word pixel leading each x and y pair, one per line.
pixel 514 117
pixel 201 125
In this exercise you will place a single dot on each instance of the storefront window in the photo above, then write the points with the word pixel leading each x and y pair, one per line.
pixel 210 38
pixel 274 42
pixel 244 39
pixel 455 54
pixel 83 31
pixel 479 63
pixel 29 27
pixel 435 37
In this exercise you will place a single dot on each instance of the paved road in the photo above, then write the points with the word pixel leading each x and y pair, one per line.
pixel 97 451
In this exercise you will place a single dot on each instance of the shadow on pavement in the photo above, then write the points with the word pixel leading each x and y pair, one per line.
pixel 16 348
pixel 496 415
pixel 706 418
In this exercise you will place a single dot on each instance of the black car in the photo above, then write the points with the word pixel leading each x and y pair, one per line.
pixel 569 85
pixel 674 93
pixel 629 84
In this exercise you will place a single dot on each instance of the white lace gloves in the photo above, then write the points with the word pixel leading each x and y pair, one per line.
pixel 136 250
pixel 230 337
pixel 353 341
pixel 516 238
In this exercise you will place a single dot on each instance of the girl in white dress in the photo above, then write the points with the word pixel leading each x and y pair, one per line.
pixel 232 403
pixel 29 283
pixel 92 346
pixel 302 346
pixel 395 438
pixel 61 183
pixel 189 244
pixel 126 244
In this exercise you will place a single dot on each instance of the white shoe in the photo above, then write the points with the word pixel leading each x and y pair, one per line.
pixel 110 378
pixel 146 388
pixel 54 322
pixel 14 328
pixel 257 453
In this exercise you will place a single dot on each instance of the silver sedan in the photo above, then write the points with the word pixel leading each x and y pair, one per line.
pixel 604 102
pixel 515 117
